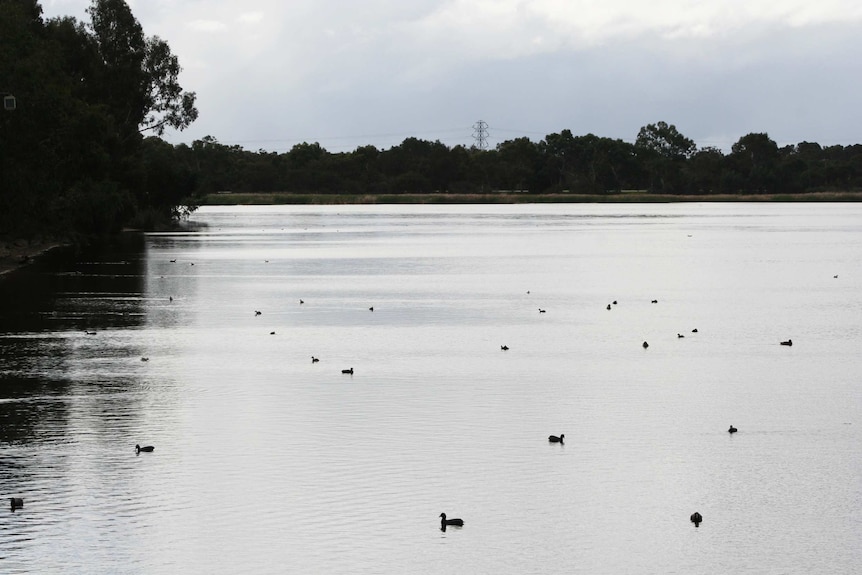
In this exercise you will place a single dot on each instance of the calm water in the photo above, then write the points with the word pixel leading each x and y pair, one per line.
pixel 266 462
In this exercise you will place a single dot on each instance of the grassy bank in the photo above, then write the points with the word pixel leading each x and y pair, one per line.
pixel 289 198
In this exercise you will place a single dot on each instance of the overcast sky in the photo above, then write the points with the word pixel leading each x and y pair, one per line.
pixel 346 73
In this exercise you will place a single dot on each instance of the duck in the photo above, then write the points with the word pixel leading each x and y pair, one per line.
pixel 788 342
pixel 145 359
pixel 504 347
pixel 555 439
pixel 609 306
pixel 541 310
pixel 444 522
pixel 655 301
pixel 615 302
pixel 16 503
pixel 371 308
pixel 694 330
pixel 350 371
pixel 314 359
pixel 146 448
pixel 679 335
pixel 646 345
pixel 732 429
pixel 256 312
pixel 300 301
pixel 696 518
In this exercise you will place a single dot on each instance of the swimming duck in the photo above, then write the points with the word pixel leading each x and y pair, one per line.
pixel 16 503
pixel 788 342
pixel 146 448
pixel 555 439
pixel 609 306
pixel 680 335
pixel 541 310
pixel 350 371
pixel 504 347
pixel 444 522
pixel 696 518
pixel 646 345
pixel 732 429
pixel 314 359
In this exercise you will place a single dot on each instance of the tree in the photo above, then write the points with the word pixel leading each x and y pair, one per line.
pixel 666 141
pixel 663 150
pixel 755 157
pixel 137 77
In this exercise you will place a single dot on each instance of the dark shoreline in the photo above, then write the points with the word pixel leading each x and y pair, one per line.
pixel 292 198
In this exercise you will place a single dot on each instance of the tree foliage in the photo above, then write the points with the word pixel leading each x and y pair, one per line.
pixel 73 153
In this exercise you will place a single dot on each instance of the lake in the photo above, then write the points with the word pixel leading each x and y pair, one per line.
pixel 266 461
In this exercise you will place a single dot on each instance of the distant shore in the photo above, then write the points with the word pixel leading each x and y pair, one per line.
pixel 16 254
pixel 633 197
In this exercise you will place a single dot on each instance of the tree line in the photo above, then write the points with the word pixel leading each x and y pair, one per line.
pixel 81 152
pixel 661 160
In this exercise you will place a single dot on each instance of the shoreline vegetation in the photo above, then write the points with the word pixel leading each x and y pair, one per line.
pixel 504 197
pixel 16 254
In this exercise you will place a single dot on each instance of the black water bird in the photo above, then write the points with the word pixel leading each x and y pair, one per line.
pixel 173 261
pixel 16 503
pixel 541 310
pixel 146 448
pixel 350 371
pixel 609 306
pixel 272 333
pixel 256 312
pixel 504 347
pixel 732 429
pixel 615 302
pixel 444 522
pixel 655 301
pixel 555 439
pixel 90 332
pixel 696 518
pixel 300 301
pixel 145 359
pixel 314 359
pixel 694 330
pixel 788 342
pixel 371 308
pixel 679 335
pixel 646 345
